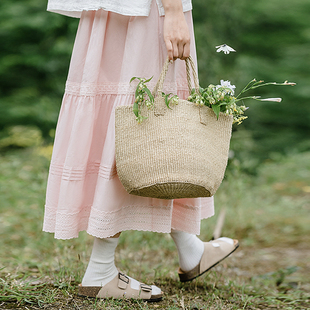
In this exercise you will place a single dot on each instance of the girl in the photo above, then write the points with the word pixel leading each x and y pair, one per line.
pixel 117 40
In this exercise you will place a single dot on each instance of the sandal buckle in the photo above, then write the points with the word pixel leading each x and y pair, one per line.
pixel 123 281
pixel 145 288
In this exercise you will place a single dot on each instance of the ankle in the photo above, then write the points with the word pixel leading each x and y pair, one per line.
pixel 190 249
pixel 101 267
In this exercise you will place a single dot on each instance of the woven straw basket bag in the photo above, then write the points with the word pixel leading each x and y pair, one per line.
pixel 175 153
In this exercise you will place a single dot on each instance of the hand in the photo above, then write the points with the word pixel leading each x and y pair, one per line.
pixel 176 35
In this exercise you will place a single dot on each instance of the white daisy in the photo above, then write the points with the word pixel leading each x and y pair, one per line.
pixel 228 85
pixel 224 48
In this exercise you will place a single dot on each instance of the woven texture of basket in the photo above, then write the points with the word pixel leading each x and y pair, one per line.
pixel 180 152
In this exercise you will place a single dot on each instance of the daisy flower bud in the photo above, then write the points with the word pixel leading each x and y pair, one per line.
pixel 271 99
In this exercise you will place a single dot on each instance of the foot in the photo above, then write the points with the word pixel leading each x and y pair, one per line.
pixel 214 252
pixel 190 249
pixel 123 286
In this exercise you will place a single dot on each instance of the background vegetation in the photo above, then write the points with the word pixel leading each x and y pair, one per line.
pixel 266 191
pixel 272 39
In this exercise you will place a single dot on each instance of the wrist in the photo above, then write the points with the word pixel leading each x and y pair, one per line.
pixel 172 6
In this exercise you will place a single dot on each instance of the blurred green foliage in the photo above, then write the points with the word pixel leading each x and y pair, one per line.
pixel 34 58
pixel 21 136
pixel 272 39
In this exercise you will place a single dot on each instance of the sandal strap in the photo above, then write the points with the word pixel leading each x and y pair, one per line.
pixel 120 287
pixel 145 291
pixel 145 288
pixel 123 281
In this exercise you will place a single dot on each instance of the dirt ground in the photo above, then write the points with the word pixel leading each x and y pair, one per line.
pixel 248 263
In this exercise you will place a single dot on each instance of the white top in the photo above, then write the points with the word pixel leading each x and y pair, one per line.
pixel 74 8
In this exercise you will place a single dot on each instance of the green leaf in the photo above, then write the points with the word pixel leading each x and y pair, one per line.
pixel 216 109
pixel 133 78
pixel 222 108
pixel 137 90
pixel 136 109
pixel 148 79
pixel 148 93
pixel 167 102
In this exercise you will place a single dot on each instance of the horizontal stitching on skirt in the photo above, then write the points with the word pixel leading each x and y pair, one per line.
pixel 167 208
pixel 102 213
pixel 50 209
pixel 75 173
pixel 89 89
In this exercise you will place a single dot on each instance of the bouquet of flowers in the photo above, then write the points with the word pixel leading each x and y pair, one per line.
pixel 220 98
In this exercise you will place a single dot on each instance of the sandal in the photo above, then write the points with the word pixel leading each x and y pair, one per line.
pixel 214 252
pixel 120 287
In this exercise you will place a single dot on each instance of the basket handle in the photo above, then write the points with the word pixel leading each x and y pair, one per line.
pixel 190 66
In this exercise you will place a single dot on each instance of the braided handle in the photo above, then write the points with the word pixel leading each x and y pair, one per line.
pixel 189 65
pixel 159 85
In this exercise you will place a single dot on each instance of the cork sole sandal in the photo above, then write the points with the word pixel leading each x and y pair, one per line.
pixel 120 288
pixel 214 252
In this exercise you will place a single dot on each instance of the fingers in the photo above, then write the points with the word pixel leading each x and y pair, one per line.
pixel 176 36
pixel 178 49
pixel 186 51
pixel 169 49
pixel 183 50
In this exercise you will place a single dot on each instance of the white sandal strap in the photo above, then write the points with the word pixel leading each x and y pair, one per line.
pixel 227 240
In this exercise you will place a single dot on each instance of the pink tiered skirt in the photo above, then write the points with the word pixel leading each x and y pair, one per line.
pixel 84 191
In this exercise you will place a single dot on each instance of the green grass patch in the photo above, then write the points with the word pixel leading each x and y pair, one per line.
pixel 268 213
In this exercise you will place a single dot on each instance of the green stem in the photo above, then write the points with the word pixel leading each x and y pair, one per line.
pixel 249 97
pixel 266 84
pixel 246 87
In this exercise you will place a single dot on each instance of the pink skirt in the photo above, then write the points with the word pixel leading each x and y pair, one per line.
pixel 84 191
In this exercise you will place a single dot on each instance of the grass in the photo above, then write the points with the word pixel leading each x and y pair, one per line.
pixel 268 213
